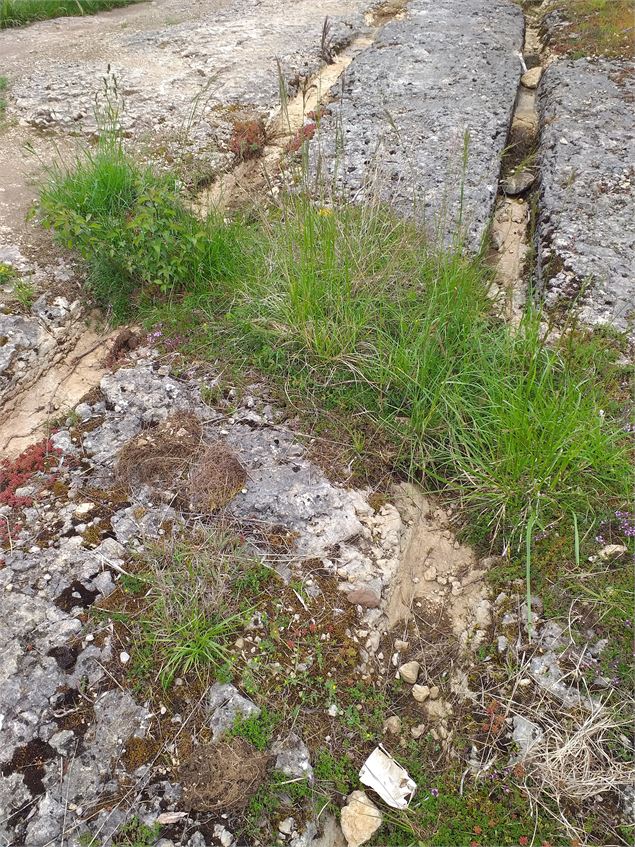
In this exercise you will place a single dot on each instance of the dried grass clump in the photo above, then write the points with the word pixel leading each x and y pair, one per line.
pixel 161 456
pixel 216 478
pixel 172 457
pixel 572 761
pixel 222 775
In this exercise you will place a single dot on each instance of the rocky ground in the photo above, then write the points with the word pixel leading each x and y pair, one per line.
pixel 435 87
pixel 586 200
pixel 369 619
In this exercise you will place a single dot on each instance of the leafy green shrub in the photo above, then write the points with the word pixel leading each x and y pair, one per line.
pixel 134 230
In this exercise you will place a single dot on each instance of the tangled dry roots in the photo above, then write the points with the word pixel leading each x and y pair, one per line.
pixel 222 775
pixel 173 458
pixel 160 456
pixel 216 478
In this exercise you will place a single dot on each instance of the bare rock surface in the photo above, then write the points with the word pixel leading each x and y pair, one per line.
pixel 443 75
pixel 52 665
pixel 587 198
pixel 171 60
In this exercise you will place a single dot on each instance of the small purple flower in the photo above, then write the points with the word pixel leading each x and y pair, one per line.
pixel 434 792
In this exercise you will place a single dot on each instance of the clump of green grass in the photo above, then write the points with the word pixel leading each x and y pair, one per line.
pixel 357 309
pixel 404 334
pixel 4 84
pixel 185 609
pixel 15 13
pixel 133 229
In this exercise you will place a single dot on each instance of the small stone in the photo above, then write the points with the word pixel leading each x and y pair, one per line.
pixel 612 551
pixel 430 574
pixel 332 710
pixel 400 646
pixel 518 182
pixel 372 643
pixel 434 692
pixel 224 835
pixel 392 725
pixel 409 672
pixel 531 78
pixel 239 643
pixel 365 597
pixel 286 826
pixel 502 643
pixel 420 693
pixel 84 509
pixel 417 731
pixel 360 819
pixel 124 657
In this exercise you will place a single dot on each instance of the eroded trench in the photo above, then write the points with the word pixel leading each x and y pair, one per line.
pixel 300 112
pixel 511 230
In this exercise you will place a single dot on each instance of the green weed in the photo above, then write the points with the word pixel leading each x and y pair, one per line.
pixel 4 84
pixel 183 609
pixel 194 642
pixel 133 229
pixel 134 833
pixel 24 293
pixel 7 273
pixel 257 729
pixel 356 311
pixel 15 13
pixel 269 801
pixel 336 773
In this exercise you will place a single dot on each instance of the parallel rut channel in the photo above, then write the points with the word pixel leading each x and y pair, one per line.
pixel 511 224
pixel 253 175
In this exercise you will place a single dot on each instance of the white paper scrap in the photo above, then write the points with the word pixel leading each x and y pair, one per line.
pixel 388 778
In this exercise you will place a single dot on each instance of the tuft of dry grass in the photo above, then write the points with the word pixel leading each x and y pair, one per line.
pixel 173 459
pixel 572 760
pixel 216 478
pixel 160 456
pixel 222 776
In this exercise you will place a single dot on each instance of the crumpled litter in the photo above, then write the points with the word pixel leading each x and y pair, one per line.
pixel 388 778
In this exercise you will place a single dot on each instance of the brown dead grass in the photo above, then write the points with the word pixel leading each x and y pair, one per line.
pixel 216 478
pixel 173 457
pixel 159 457
pixel 222 775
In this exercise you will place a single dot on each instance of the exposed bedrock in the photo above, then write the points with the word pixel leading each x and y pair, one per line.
pixel 587 206
pixel 176 69
pixel 442 77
